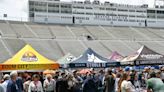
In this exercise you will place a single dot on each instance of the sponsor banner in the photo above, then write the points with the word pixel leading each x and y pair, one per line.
pixel 127 63
pixel 94 65
pixel 150 62
pixel 151 56
pixel 113 64
pixel 27 66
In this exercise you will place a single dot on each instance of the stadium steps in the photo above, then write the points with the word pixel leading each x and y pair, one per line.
pixel 31 30
pixel 6 30
pixel 42 31
pixel 61 32
pixel 159 33
pixel 22 31
pixel 152 36
pixel 110 34
pixel 71 46
pixel 47 48
pixel 14 45
pixel 98 32
pixel 96 45
pixel 80 32
pixel 5 53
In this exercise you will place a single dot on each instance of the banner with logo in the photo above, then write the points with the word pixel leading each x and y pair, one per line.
pixel 91 59
pixel 145 56
pixel 28 59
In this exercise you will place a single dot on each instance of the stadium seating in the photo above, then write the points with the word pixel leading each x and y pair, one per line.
pixel 54 41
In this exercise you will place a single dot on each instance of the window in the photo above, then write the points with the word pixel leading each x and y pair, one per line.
pixel 131 10
pixel 99 14
pixel 150 11
pixel 122 10
pixel 132 20
pixel 78 7
pixel 89 8
pixel 111 9
pixel 78 12
pixel 53 11
pixel 131 15
pixel 53 5
pixel 140 11
pixel 66 6
pixel 89 13
pixel 66 11
pixel 101 8
pixel 160 12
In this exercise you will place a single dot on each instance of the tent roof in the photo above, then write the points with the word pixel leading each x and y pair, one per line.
pixel 144 54
pixel 28 56
pixel 68 58
pixel 116 56
pixel 91 57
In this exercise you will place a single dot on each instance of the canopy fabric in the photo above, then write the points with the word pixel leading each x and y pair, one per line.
pixel 144 56
pixel 116 56
pixel 68 58
pixel 91 59
pixel 28 59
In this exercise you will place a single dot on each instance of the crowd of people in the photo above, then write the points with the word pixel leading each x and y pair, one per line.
pixel 101 80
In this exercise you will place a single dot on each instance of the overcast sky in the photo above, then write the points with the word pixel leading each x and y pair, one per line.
pixel 17 9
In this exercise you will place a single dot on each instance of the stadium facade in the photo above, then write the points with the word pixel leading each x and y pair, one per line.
pixel 95 13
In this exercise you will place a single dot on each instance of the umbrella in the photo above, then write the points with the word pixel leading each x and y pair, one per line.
pixel 48 72
pixel 85 71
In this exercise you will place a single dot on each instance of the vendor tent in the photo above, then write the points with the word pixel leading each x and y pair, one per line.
pixel 64 61
pixel 28 59
pixel 144 56
pixel 91 59
pixel 116 56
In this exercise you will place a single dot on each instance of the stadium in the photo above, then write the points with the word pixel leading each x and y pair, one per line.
pixel 56 28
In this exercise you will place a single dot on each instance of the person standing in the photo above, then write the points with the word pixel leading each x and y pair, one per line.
pixel 154 84
pixel 6 78
pixel 89 84
pixel 61 83
pixel 125 85
pixel 19 82
pixel 26 84
pixel 49 84
pixel 1 88
pixel 12 85
pixel 109 81
pixel 35 85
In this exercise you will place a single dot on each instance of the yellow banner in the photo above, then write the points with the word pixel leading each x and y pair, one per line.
pixel 28 66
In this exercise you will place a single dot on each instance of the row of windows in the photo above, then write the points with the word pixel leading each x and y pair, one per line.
pixel 110 9
pixel 82 18
pixel 160 12
pixel 64 17
pixel 130 20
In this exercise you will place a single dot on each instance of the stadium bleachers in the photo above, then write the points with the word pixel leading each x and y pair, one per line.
pixel 54 41
pixel 6 30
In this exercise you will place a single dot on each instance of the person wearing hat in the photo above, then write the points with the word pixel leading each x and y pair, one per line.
pixel 154 84
pixel 6 78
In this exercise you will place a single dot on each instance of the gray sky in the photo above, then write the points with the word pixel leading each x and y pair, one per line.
pixel 17 9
